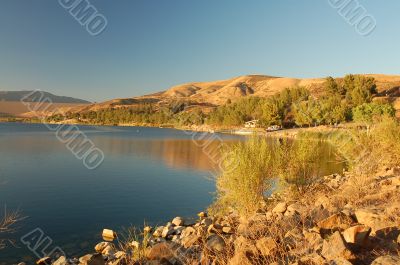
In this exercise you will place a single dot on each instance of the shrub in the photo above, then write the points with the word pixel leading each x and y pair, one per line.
pixel 368 112
pixel 242 184
pixel 297 164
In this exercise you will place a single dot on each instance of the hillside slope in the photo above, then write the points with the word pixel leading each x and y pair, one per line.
pixel 210 94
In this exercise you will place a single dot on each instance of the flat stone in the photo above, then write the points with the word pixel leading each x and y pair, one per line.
pixel 280 208
pixel 44 261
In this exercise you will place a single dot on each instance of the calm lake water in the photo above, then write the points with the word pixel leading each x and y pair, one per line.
pixel 148 175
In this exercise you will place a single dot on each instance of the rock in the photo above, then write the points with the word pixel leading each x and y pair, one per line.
pixel 158 231
pixel 135 244
pixel 215 243
pixel 314 240
pixel 370 217
pixel 323 201
pixel 294 208
pixel 120 254
pixel 245 245
pixel 293 238
pixel 190 240
pixel 386 260
pixel 202 215
pixel 167 231
pixel 61 261
pixel 178 230
pixel 96 259
pixel 228 230
pixel 178 221
pixel 337 221
pixel 206 221
pixel 85 259
pixel 214 229
pixel 101 246
pixel 109 235
pixel 161 251
pixel 21 263
pixel 312 259
pixel 266 245
pixel 239 258
pixel 280 208
pixel 44 261
pixel 357 234
pixel 335 247
pixel 108 251
pixel 388 233
pixel 188 231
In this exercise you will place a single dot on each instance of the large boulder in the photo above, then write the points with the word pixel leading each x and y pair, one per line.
pixel 357 234
pixel 44 261
pixel 371 217
pixel 335 248
pixel 215 243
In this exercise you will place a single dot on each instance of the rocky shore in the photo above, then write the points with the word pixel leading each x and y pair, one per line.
pixel 341 220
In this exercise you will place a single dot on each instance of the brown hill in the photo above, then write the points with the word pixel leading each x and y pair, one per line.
pixel 210 94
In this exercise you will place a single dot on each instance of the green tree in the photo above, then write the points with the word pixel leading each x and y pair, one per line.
pixel 368 112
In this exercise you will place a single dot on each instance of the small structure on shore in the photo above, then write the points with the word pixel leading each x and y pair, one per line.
pixel 251 124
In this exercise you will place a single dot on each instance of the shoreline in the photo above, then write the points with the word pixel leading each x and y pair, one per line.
pixel 283 133
pixel 344 233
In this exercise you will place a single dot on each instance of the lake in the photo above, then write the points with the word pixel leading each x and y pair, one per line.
pixel 148 175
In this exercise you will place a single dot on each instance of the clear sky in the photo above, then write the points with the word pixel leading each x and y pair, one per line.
pixel 150 45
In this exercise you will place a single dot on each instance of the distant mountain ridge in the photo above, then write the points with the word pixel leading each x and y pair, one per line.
pixel 8 96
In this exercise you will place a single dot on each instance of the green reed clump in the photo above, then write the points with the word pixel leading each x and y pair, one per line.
pixel 248 173
pixel 297 162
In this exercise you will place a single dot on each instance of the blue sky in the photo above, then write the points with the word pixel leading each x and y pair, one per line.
pixel 150 45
